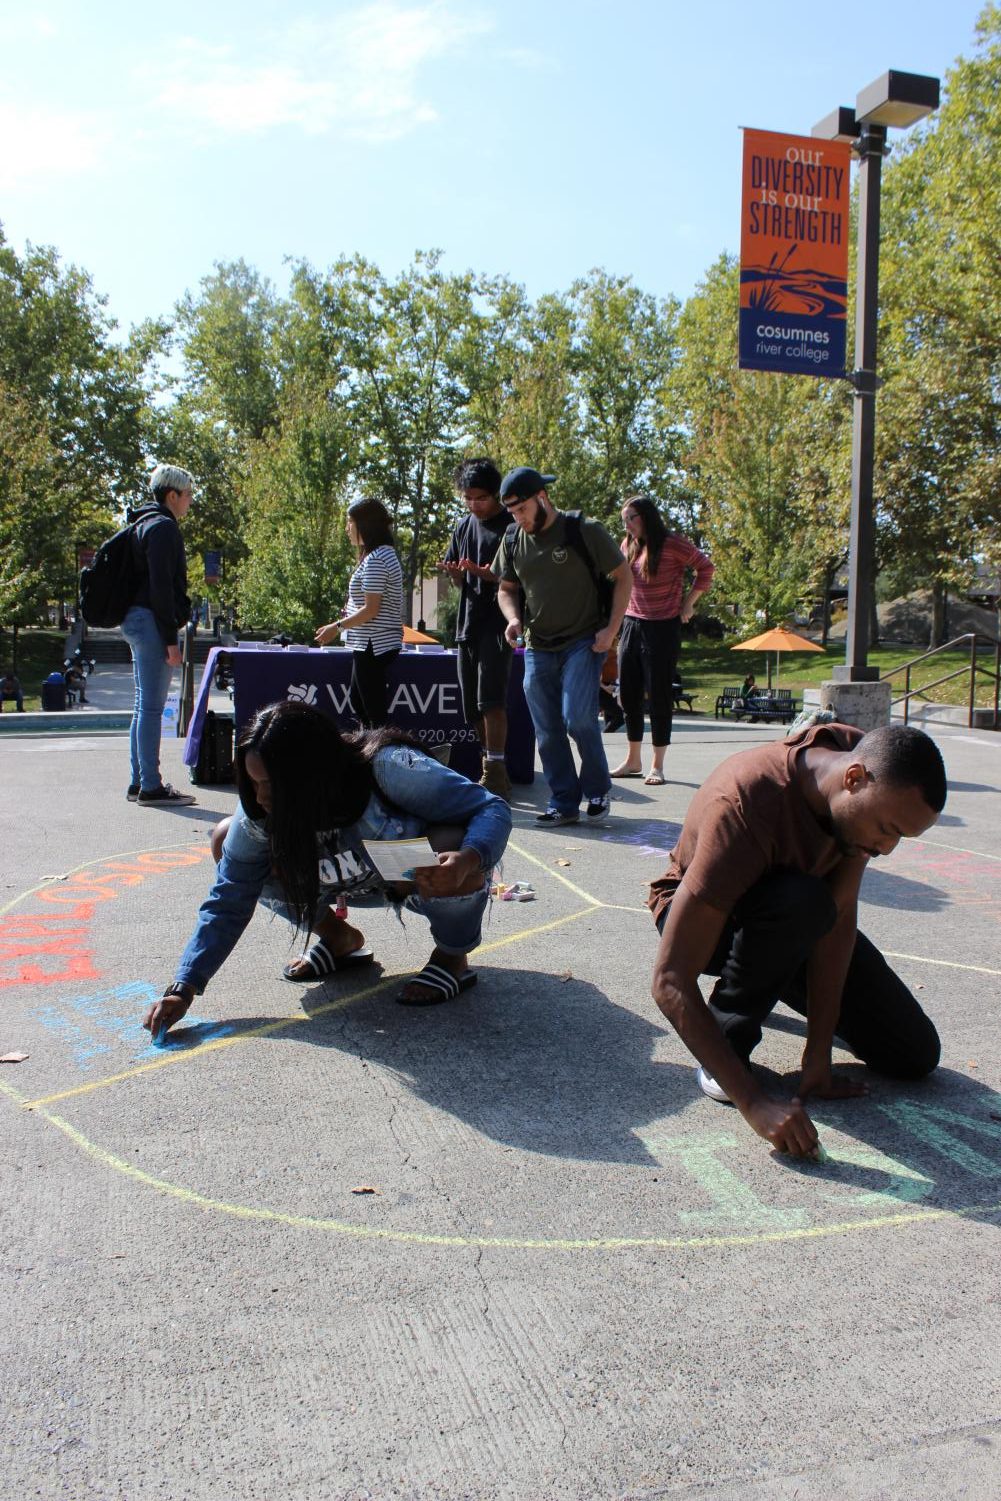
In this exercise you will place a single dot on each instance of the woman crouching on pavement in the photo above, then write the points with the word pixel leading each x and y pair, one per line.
pixel 309 795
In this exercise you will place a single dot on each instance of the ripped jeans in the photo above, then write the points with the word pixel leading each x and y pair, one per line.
pixel 243 879
pixel 456 922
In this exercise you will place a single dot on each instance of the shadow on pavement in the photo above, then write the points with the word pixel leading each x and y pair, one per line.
pixel 554 1068
pixel 881 888
pixel 529 1060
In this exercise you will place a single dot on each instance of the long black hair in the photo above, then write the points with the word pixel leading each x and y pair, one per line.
pixel 655 534
pixel 320 779
pixel 374 523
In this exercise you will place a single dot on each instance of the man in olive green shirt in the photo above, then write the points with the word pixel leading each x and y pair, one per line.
pixel 565 634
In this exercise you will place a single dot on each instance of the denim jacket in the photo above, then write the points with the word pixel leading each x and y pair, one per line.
pixel 412 791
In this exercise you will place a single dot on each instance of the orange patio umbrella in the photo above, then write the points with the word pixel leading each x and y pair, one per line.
pixel 417 638
pixel 778 639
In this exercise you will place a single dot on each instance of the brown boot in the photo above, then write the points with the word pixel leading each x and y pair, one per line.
pixel 495 779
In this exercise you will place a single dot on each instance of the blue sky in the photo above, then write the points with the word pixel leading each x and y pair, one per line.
pixel 534 139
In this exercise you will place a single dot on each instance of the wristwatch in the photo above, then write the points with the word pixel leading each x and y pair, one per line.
pixel 180 989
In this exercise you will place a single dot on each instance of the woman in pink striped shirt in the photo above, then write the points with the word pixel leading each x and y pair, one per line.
pixel 651 631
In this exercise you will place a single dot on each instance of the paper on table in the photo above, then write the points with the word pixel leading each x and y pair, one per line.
pixel 396 859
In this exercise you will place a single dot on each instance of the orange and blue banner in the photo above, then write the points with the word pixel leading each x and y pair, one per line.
pixel 794 254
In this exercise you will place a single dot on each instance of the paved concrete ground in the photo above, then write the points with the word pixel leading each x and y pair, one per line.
pixel 575 1278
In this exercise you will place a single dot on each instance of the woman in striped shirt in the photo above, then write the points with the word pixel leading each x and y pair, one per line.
pixel 373 620
pixel 651 630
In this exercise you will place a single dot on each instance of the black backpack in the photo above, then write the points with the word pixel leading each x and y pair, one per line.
pixel 109 585
pixel 602 583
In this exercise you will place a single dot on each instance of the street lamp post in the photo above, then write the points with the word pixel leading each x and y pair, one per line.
pixel 894 99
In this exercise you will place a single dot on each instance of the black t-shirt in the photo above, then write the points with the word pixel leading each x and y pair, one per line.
pixel 478 540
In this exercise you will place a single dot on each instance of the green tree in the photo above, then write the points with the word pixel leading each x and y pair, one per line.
pixel 85 397
pixel 939 451
pixel 401 359
pixel 766 455
pixel 584 393
pixel 35 512
pixel 230 338
pixel 296 490
pixel 181 433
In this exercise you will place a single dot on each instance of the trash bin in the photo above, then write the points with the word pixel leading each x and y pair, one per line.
pixel 54 692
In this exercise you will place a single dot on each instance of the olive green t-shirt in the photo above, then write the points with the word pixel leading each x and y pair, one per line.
pixel 561 601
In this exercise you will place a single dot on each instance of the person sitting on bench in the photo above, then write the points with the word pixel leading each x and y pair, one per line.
pixel 10 687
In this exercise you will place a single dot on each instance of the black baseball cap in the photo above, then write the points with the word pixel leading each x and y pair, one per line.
pixel 523 483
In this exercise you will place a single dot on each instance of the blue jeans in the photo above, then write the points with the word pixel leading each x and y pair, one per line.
pixel 561 689
pixel 151 673
pixel 456 922
pixel 411 792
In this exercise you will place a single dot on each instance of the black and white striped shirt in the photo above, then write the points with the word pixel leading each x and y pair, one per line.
pixel 379 572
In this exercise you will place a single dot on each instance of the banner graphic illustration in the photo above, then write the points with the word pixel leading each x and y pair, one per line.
pixel 794 254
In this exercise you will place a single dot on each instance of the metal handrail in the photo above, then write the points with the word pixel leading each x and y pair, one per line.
pixel 973 668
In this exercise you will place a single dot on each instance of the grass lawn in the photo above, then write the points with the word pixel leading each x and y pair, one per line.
pixel 38 653
pixel 707 669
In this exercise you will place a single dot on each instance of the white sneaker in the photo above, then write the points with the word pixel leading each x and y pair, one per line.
pixel 709 1087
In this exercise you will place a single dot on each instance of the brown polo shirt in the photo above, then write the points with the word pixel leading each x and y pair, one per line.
pixel 748 818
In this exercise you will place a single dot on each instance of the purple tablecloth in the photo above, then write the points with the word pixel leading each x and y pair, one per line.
pixel 424 698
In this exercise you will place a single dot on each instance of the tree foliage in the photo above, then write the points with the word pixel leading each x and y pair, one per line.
pixel 288 405
pixel 296 490
pixel 73 404
pixel 940 412
pixel 765 455
pixel 585 392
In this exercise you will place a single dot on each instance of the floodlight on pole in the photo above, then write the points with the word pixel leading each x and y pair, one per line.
pixel 894 99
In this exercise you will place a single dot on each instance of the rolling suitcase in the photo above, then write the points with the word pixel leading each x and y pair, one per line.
pixel 215 753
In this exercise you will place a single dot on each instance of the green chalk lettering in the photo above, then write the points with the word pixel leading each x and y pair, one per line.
pixel 736 1204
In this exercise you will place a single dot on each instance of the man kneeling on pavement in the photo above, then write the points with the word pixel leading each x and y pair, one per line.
pixel 762 890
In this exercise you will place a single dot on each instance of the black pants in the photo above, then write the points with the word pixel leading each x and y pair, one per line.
pixel 761 959
pixel 648 656
pixel 369 692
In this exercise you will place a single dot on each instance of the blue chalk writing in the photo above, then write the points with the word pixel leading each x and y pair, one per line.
pixel 94 1025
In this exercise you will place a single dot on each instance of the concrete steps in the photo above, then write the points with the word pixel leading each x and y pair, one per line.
pixel 107 647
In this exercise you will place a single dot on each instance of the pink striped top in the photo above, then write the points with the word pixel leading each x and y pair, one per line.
pixel 660 599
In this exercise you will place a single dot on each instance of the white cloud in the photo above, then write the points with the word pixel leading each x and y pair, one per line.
pixel 358 75
pixel 44 143
pixel 530 59
pixel 23 29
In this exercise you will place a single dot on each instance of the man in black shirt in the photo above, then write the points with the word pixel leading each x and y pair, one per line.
pixel 484 654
